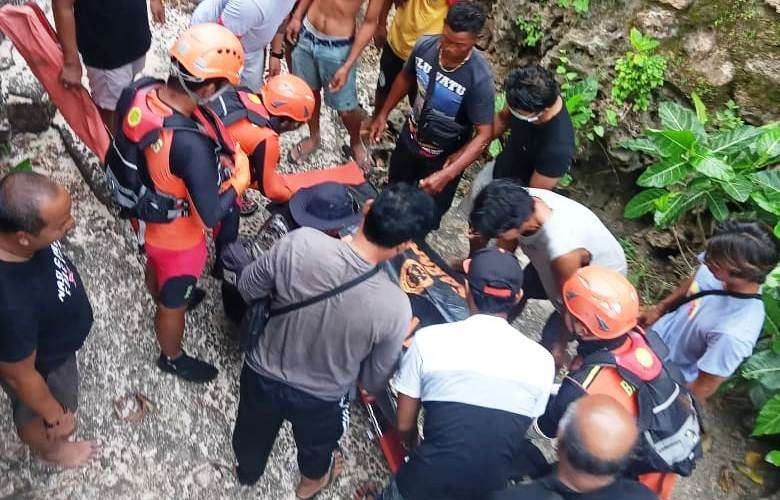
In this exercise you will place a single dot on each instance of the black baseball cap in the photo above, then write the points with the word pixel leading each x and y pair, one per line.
pixel 325 206
pixel 495 272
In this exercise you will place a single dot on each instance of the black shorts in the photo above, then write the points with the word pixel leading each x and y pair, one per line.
pixel 390 65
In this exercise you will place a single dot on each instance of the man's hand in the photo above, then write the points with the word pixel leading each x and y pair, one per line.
pixel 293 28
pixel 274 67
pixel 339 79
pixel 70 76
pixel 436 182
pixel 63 427
pixel 158 11
pixel 380 37
pixel 649 315
pixel 242 174
pixel 377 127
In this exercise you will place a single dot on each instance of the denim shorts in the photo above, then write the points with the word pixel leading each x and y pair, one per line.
pixel 316 58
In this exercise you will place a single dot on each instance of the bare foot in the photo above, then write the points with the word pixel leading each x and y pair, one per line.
pixel 366 492
pixel 301 151
pixel 309 488
pixel 360 154
pixel 72 454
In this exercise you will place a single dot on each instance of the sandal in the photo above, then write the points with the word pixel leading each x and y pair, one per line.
pixel 332 475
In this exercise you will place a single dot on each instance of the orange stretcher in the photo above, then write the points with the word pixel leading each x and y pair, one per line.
pixel 35 39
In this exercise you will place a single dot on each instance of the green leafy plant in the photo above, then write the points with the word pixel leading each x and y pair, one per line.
pixel 23 166
pixel 639 71
pixel 761 371
pixel 579 6
pixel 728 118
pixel 495 147
pixel 697 170
pixel 579 94
pixel 531 29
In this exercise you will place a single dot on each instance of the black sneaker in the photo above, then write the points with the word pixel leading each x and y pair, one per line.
pixel 188 368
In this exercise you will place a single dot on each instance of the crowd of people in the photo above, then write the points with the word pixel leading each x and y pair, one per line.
pixel 625 416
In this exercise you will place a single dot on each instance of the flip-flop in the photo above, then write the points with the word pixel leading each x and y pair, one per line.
pixel 366 165
pixel 331 476
pixel 301 155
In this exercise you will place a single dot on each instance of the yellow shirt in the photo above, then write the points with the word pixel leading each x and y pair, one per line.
pixel 412 20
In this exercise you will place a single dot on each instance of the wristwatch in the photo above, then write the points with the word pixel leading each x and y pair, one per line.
pixel 277 55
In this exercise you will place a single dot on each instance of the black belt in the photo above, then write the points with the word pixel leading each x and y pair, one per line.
pixel 319 41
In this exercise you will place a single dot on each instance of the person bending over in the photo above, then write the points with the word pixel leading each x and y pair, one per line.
pixel 712 321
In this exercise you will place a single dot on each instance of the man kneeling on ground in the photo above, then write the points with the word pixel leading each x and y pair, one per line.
pixel 481 383
pixel 39 288
pixel 308 359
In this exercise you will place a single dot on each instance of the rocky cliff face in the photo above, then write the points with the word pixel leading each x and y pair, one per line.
pixel 721 49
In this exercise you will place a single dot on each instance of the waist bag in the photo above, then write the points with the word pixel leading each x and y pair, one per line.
pixel 434 127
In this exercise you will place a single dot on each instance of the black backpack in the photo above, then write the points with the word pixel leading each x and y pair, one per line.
pixel 668 420
pixel 125 167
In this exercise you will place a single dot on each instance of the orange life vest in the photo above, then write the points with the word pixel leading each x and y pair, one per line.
pixel 150 122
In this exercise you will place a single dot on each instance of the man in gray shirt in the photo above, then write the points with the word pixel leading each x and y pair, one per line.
pixel 308 359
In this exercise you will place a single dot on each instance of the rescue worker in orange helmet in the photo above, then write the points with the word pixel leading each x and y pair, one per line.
pixel 191 158
pixel 284 103
pixel 616 358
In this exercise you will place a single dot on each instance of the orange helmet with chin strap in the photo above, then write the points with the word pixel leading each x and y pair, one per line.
pixel 288 96
pixel 207 51
pixel 603 300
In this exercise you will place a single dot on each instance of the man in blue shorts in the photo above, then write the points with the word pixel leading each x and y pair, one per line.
pixel 327 46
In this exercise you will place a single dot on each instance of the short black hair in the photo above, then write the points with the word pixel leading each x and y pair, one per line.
pixel 531 88
pixel 466 16
pixel 489 304
pixel 402 212
pixel 502 205
pixel 579 457
pixel 747 246
pixel 21 195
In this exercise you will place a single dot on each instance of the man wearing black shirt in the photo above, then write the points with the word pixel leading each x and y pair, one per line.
pixel 45 316
pixel 451 120
pixel 540 146
pixel 112 37
pixel 595 440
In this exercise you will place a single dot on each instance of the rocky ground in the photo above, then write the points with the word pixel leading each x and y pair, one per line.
pixel 182 448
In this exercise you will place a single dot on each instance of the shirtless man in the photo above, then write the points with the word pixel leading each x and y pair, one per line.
pixel 327 45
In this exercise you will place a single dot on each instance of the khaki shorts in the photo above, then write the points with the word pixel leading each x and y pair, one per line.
pixel 107 84
pixel 63 383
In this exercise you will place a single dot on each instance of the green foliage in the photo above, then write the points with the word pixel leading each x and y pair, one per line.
pixel 495 147
pixel 728 119
pixel 579 94
pixel 23 166
pixel 698 170
pixel 642 273
pixel 531 29
pixel 768 421
pixel 579 6
pixel 639 71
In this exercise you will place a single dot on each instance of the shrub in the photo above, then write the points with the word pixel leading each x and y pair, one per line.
pixel 531 29
pixel 697 170
pixel 639 71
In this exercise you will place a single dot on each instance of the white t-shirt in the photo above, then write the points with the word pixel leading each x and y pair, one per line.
pixel 570 226
pixel 255 22
pixel 481 361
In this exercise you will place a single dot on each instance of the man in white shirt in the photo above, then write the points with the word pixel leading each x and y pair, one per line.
pixel 481 383
pixel 557 234
pixel 255 23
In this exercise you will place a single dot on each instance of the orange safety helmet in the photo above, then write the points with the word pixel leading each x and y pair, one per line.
pixel 289 96
pixel 603 300
pixel 209 51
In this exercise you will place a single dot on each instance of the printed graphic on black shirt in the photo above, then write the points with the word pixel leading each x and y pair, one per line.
pixel 64 276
